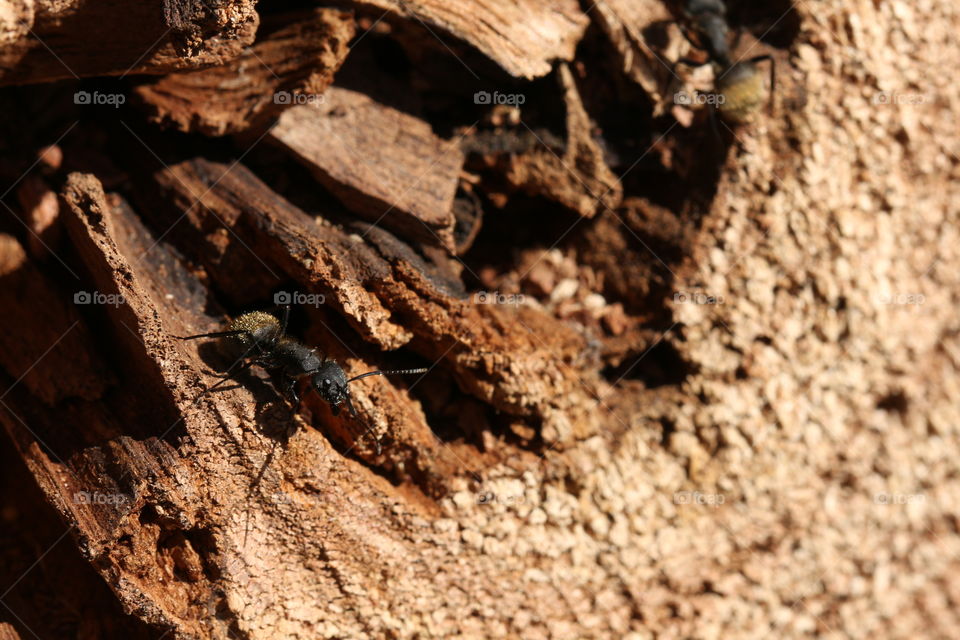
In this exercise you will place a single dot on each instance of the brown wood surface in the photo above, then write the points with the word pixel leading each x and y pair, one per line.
pixel 50 40
pixel 384 164
pixel 524 37
pixel 685 378
pixel 295 62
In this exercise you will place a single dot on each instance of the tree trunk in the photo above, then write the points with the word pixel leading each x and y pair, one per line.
pixel 686 376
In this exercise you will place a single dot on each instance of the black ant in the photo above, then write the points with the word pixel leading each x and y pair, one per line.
pixel 739 84
pixel 259 338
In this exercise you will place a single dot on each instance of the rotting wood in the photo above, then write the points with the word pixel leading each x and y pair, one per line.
pixel 524 37
pixel 575 175
pixel 160 517
pixel 388 294
pixel 680 394
pixel 381 163
pixel 626 23
pixel 48 40
pixel 218 488
pixel 71 369
pixel 291 65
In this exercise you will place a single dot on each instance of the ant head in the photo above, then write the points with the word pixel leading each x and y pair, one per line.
pixel 331 383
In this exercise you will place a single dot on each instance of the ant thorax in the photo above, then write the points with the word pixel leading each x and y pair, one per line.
pixel 295 358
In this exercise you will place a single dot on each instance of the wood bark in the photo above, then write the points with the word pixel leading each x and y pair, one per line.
pixel 578 176
pixel 522 37
pixel 685 378
pixel 381 163
pixel 48 40
pixel 293 63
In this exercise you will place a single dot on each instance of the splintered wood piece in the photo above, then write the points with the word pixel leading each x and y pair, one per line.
pixel 522 36
pixel 291 65
pixel 579 178
pixel 381 163
pixel 511 358
pixel 224 484
pixel 51 40
pixel 624 22
pixel 318 255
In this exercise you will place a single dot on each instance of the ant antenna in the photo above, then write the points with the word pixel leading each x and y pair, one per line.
pixel 389 373
pixel 349 401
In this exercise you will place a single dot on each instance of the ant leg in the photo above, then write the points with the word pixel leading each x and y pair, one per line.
pixel 229 334
pixel 292 392
pixel 229 376
pixel 773 75
pixel 261 360
pixel 217 334
pixel 285 319
pixel 376 440
pixel 353 410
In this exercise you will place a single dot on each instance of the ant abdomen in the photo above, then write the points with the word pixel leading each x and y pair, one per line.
pixel 258 326
pixel 743 90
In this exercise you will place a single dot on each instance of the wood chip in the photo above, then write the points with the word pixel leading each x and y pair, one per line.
pixel 291 65
pixel 381 163
pixel 522 36
pixel 51 40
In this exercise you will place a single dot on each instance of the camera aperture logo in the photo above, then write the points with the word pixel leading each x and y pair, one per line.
pixel 299 298
pixel 286 97
pixel 908 299
pixel 899 498
pixel 95 297
pixel 282 497
pixel 97 98
pixel 489 497
pixel 511 99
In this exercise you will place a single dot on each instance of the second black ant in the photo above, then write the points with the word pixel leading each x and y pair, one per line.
pixel 738 84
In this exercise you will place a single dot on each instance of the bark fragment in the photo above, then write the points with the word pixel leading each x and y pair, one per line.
pixel 627 23
pixel 381 163
pixel 50 40
pixel 523 37
pixel 293 64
